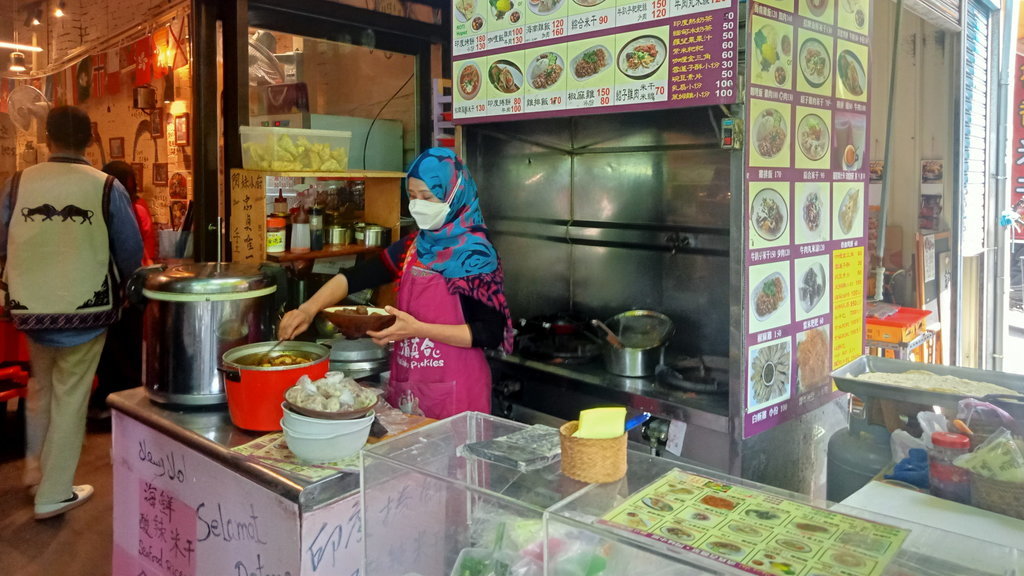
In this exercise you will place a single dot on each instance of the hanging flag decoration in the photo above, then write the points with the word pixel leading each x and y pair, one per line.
pixel 161 52
pixel 83 80
pixel 113 72
pixel 99 75
pixel 142 55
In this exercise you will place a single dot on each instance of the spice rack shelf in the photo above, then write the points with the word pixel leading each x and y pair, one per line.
pixel 247 225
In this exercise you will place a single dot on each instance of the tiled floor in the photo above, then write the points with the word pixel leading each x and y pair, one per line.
pixel 77 543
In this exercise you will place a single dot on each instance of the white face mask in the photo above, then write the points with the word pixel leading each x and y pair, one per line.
pixel 431 215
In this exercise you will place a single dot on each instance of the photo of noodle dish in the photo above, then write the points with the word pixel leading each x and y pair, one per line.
pixel 469 81
pixel 505 76
pixel 815 63
pixel 768 296
pixel 769 373
pixel 851 73
pixel 642 57
pixel 811 211
pixel 544 7
pixel 769 214
pixel 769 133
pixel 545 70
pixel 587 3
pixel 590 63
pixel 813 137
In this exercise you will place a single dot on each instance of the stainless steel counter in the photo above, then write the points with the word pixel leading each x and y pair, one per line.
pixel 210 432
pixel 590 379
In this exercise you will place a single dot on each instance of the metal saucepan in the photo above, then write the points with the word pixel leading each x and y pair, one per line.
pixel 644 335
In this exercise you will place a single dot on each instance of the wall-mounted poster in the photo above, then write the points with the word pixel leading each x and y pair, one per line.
pixel 517 59
pixel 160 173
pixel 806 203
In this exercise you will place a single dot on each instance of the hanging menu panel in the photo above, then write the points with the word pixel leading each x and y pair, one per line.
pixel 521 59
pixel 807 123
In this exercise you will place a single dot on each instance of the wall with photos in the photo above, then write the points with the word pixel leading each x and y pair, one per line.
pixel 921 124
pixel 93 58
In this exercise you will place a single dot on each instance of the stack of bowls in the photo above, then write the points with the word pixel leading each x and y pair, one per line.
pixel 318 440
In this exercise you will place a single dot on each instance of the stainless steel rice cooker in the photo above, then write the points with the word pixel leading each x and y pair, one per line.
pixel 194 313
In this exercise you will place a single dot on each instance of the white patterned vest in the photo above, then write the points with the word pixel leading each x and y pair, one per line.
pixel 60 273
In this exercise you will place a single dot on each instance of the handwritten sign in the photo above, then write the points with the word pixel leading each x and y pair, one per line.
pixel 332 539
pixel 398 540
pixel 180 513
pixel 248 225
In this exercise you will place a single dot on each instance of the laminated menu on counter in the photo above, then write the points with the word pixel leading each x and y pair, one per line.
pixel 529 449
pixel 757 532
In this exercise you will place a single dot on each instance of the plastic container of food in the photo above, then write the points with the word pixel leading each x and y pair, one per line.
pixel 294 149
pixel 945 479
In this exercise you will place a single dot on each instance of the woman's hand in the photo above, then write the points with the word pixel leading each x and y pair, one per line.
pixel 293 323
pixel 405 326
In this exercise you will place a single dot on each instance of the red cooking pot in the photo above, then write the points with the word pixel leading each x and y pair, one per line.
pixel 255 392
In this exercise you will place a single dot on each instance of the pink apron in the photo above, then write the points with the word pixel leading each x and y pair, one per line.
pixel 444 379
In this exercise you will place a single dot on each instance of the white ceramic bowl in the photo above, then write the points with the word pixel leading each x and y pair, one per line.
pixel 319 449
pixel 321 426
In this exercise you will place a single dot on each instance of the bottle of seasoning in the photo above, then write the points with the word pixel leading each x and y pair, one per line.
pixel 947 480
pixel 280 203
pixel 316 228
pixel 300 232
pixel 275 235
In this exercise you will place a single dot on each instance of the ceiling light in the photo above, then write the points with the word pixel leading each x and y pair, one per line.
pixel 17 62
pixel 20 47
pixel 59 10
pixel 37 18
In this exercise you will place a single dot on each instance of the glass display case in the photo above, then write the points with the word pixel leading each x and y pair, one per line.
pixel 455 498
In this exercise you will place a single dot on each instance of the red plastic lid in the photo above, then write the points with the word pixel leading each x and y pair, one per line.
pixel 276 223
pixel 949 440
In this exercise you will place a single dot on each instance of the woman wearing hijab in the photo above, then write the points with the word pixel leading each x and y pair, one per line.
pixel 451 304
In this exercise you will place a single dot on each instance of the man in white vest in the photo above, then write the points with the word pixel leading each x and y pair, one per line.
pixel 68 239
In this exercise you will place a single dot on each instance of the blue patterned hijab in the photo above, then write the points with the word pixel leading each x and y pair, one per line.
pixel 460 247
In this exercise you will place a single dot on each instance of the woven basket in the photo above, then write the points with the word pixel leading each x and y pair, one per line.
pixel 594 460
pixel 998 496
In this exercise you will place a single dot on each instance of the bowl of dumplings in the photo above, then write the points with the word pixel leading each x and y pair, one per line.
pixel 328 419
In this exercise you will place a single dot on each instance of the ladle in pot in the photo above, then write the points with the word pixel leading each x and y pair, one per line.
pixel 610 336
pixel 266 355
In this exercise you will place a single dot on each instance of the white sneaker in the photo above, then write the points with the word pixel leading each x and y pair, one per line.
pixel 80 496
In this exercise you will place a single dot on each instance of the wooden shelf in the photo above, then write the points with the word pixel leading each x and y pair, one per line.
pixel 348 250
pixel 354 175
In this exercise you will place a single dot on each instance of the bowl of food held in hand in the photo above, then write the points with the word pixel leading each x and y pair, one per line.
pixel 355 321
pixel 333 397
pixel 257 375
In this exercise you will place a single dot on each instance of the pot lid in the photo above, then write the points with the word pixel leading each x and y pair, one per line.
pixel 358 350
pixel 203 279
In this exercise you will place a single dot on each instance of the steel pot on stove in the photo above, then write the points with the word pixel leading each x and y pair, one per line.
pixel 644 335
pixel 194 313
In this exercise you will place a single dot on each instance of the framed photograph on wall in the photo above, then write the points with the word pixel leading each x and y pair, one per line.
pixel 181 128
pixel 156 124
pixel 117 148
pixel 160 173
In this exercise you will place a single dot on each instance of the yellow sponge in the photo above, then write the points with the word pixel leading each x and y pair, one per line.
pixel 602 423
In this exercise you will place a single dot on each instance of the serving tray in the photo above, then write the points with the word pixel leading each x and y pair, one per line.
pixel 845 379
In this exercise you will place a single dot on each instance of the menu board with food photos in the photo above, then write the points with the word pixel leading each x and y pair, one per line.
pixel 805 198
pixel 755 532
pixel 521 59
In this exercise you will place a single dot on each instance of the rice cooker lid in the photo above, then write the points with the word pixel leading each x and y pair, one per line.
pixel 208 281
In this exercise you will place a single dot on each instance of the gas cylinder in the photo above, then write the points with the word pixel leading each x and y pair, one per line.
pixel 855 455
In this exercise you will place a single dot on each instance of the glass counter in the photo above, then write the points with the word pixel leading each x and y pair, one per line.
pixel 453 498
